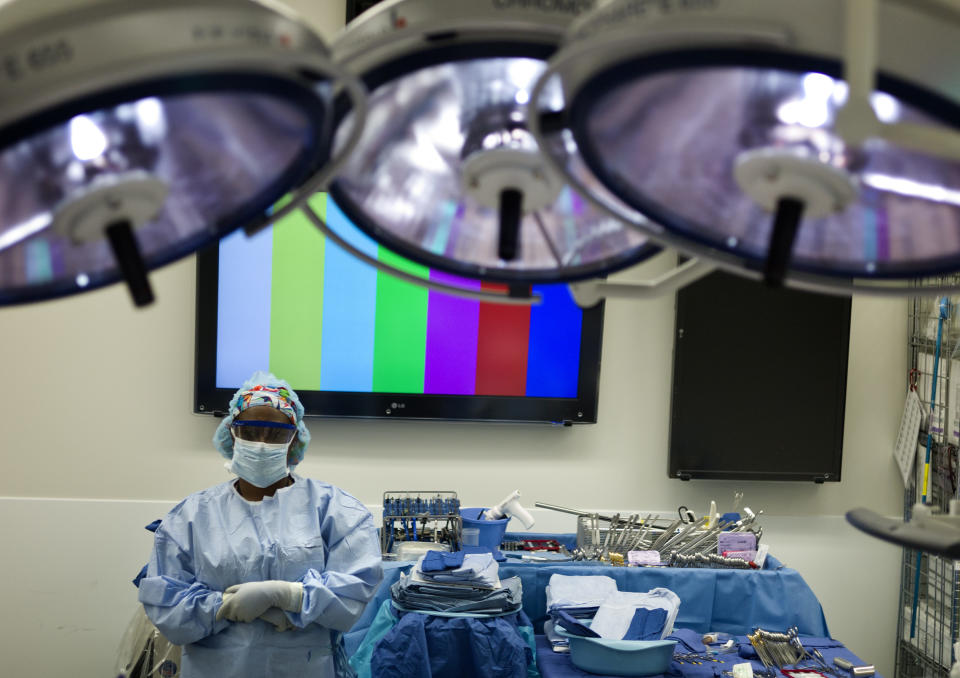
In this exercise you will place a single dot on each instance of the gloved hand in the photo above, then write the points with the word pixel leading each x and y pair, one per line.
pixel 275 616
pixel 246 602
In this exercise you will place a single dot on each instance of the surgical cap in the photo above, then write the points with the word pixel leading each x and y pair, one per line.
pixel 264 389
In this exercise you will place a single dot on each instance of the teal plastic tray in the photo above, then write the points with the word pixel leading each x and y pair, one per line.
pixel 620 657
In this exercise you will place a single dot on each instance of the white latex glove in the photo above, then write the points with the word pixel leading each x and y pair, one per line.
pixel 246 602
pixel 275 616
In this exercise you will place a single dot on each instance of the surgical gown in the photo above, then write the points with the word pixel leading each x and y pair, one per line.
pixel 309 532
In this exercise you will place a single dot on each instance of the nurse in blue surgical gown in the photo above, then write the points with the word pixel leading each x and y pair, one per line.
pixel 259 575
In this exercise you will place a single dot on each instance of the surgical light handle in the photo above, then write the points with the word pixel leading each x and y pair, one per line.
pixel 511 507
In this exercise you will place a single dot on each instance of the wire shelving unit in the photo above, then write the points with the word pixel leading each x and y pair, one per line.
pixel 928 653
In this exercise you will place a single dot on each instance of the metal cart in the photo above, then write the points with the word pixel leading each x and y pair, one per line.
pixel 427 516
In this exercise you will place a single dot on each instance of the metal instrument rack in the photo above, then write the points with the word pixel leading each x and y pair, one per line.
pixel 929 653
pixel 591 537
pixel 421 515
pixel 677 538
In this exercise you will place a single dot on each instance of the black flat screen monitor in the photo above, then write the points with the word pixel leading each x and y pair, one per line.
pixel 357 7
pixel 759 382
pixel 354 342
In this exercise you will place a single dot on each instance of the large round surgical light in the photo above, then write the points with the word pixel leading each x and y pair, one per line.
pixel 446 172
pixel 133 133
pixel 728 123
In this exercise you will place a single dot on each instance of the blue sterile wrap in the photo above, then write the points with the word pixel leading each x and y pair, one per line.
pixel 415 645
pixel 646 624
pixel 574 627
pixel 437 561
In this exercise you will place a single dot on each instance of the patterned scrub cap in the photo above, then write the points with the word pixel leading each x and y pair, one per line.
pixel 264 389
pixel 266 396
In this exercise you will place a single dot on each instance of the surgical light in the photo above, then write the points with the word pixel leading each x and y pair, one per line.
pixel 446 172
pixel 133 133
pixel 811 143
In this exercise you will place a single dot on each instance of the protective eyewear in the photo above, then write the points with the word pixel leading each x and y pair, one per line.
pixel 264 431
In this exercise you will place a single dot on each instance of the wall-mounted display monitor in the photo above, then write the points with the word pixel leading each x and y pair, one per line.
pixel 357 7
pixel 759 382
pixel 355 342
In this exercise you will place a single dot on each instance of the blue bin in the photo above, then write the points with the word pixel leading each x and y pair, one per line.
pixel 486 534
pixel 620 657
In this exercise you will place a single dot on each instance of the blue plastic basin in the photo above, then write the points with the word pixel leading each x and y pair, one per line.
pixel 620 657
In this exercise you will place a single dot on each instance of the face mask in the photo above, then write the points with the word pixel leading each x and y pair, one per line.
pixel 260 464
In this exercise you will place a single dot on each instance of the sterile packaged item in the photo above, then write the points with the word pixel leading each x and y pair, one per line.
pixel 414 550
pixel 744 670
pixel 144 652
pixel 643 557
pixel 736 541
pixel 616 613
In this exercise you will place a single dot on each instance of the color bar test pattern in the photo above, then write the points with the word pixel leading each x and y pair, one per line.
pixel 301 307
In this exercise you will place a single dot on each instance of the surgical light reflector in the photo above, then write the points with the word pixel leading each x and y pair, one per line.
pixel 132 134
pixel 446 172
pixel 678 164
pixel 727 125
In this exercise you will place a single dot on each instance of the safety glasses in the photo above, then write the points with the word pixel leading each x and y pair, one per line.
pixel 264 431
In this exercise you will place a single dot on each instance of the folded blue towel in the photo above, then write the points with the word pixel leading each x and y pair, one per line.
pixel 478 569
pixel 689 639
pixel 437 561
pixel 418 596
pixel 646 624
pixel 573 627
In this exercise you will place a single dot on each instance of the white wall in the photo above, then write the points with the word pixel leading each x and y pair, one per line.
pixel 97 439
